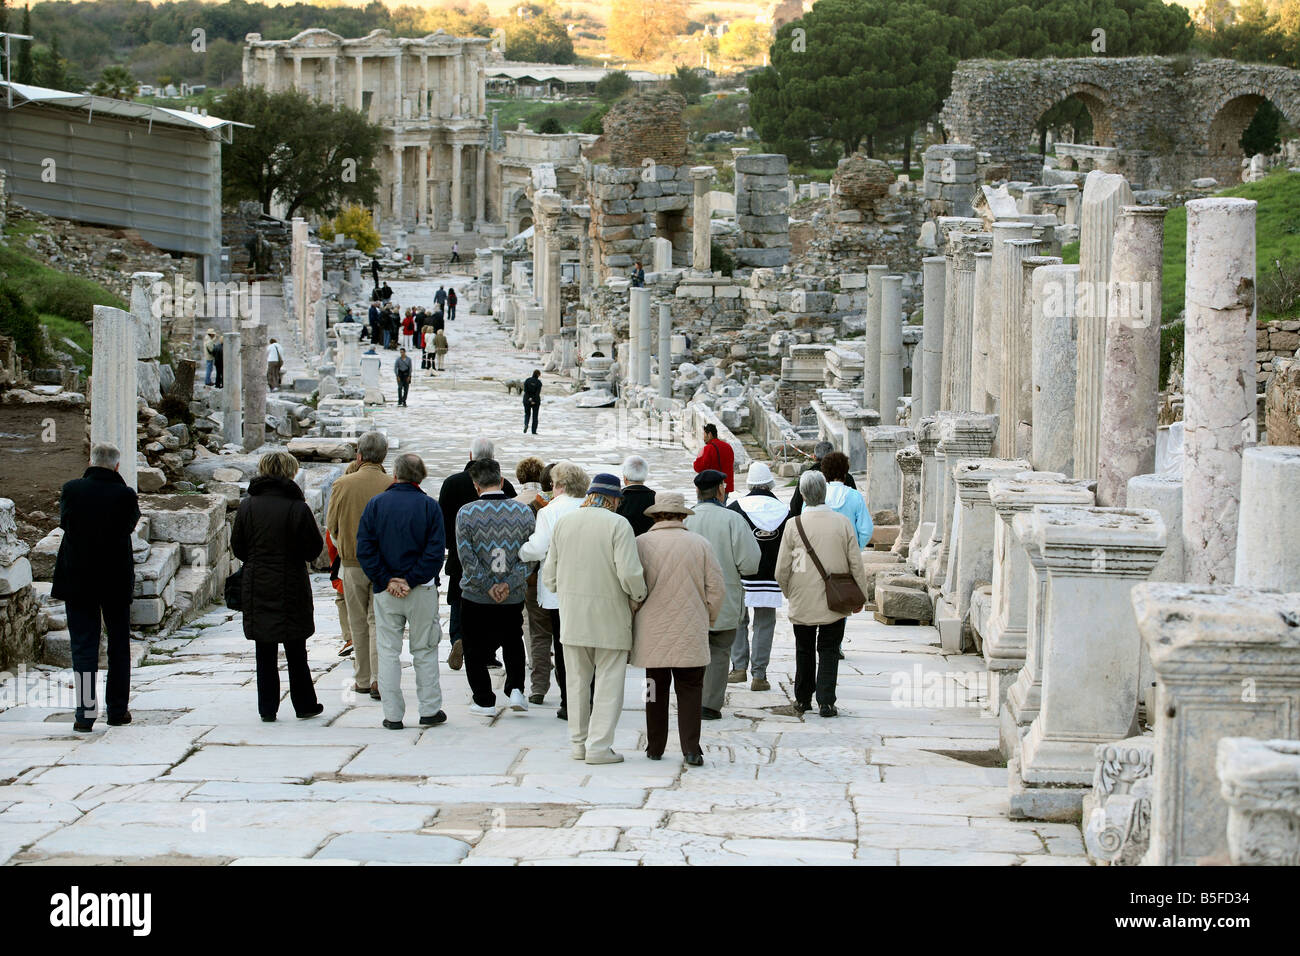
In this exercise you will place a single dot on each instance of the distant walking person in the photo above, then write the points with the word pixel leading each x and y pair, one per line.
pixel 717 455
pixel 94 575
pixel 440 299
pixel 374 272
pixel 219 361
pixel 275 535
pixel 274 365
pixel 400 544
pixel 451 305
pixel 532 399
pixel 208 343
pixel 493 585
pixel 455 255
pixel 593 566
pixel 845 500
pixel 440 347
pixel 402 369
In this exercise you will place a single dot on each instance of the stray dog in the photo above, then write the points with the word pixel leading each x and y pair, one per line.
pixel 514 385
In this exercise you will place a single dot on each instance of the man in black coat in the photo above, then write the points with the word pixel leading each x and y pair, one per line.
pixel 457 491
pixel 820 451
pixel 94 575
pixel 636 496
pixel 532 399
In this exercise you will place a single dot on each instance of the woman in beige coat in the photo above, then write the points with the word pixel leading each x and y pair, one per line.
pixel 670 633
pixel 818 630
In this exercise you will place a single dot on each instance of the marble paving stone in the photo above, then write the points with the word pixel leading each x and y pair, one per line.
pixel 264 764
pixel 124 746
pixel 819 820
pixel 394 848
pixel 950 838
pixel 621 818
pixel 396 760
pixel 533 843
pixel 15 836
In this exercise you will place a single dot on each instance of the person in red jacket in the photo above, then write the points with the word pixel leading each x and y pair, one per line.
pixel 717 455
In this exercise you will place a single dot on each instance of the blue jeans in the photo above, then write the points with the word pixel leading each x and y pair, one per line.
pixel 207 378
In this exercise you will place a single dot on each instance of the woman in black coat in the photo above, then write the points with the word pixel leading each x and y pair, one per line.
pixel 275 535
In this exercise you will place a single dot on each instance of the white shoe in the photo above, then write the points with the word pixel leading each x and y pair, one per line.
pixel 484 711
pixel 517 701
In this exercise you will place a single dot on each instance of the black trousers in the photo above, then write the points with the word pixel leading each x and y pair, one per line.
pixel 817 661
pixel 690 701
pixel 531 410
pixel 302 692
pixel 559 657
pixel 484 628
pixel 84 618
pixel 403 386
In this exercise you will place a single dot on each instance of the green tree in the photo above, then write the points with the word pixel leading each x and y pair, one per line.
pixel 688 84
pixel 25 71
pixel 613 85
pixel 538 38
pixel 115 82
pixel 1263 133
pixel 550 125
pixel 304 154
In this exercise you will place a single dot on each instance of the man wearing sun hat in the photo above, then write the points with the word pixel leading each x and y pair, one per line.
pixel 593 566
pixel 766 516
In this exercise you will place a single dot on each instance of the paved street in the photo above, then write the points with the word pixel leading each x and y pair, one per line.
pixel 198 775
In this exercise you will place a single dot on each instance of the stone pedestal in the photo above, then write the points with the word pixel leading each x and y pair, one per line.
pixel 253 356
pixel 1227 663
pixel 960 436
pixel 871 337
pixel 908 460
pixel 1219 380
pixel 1103 196
pixel 981 320
pixel 882 489
pixel 370 366
pixel 999 270
pixel 1131 379
pixel 931 377
pixel 891 348
pixel 663 254
pixel 113 386
pixel 927 440
pixel 1053 357
pixel 1093 557
pixel 232 392
pixel 1268 528
pixel 1260 782
pixel 349 336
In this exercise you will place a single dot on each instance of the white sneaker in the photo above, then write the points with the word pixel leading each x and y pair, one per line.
pixel 517 701
pixel 484 711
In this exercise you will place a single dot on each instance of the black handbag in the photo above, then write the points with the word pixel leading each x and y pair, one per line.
pixel 843 596
pixel 234 598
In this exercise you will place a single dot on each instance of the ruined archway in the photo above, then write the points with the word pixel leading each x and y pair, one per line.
pixel 1082 110
pixel 1232 114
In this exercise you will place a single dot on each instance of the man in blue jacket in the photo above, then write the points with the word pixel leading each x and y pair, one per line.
pixel 400 546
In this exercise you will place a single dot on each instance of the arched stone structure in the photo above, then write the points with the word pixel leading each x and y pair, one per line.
pixel 1170 119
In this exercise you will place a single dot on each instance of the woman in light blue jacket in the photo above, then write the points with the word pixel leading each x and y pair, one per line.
pixel 844 500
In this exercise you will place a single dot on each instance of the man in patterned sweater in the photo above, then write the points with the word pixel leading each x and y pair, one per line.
pixel 489 534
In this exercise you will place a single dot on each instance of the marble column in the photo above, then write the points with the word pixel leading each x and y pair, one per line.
pixel 638 316
pixel 1052 360
pixel 1006 648
pixel 297 72
pixel 1003 232
pixel 871 350
pixel 962 293
pixel 113 385
pixel 584 263
pixel 933 271
pixel 1130 401
pixel 552 317
pixel 972 551
pixel 398 211
pixel 927 440
pixel 253 357
pixel 424 85
pixel 360 92
pixel 645 338
pixel 480 185
pixel 422 201
pixel 1103 196
pixel 399 93
pixel 1093 557
pixel 1269 523
pixel 1218 380
pixel 665 351
pixel 891 348
pixel 457 189
pixel 1227 664
pixel 702 237
pixel 232 392
pixel 1021 357
pixel 960 436
pixel 1013 389
pixel 315 263
pixel 498 268
pixel 334 80
pixel 349 357
pixel 979 334
pixel 908 460
pixel 146 315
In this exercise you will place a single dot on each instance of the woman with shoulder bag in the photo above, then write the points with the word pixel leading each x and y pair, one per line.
pixel 275 535
pixel 819 568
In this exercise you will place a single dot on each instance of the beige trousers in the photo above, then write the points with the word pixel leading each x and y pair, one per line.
pixel 592 722
pixel 359 596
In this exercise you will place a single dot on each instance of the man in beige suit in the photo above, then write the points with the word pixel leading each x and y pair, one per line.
pixel 593 565
pixel 348 499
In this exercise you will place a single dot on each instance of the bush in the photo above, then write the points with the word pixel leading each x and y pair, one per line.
pixel 1279 288
pixel 1171 350
pixel 689 84
pixel 721 260
pixel 594 121
pixel 19 321
pixel 613 86
pixel 356 223
pixel 550 125
pixel 66 296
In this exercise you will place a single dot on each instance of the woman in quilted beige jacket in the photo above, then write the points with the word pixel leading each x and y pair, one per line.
pixel 670 633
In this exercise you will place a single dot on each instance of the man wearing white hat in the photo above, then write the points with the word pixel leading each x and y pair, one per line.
pixel 766 516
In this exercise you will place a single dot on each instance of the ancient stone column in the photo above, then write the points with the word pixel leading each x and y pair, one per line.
pixel 638 334
pixel 552 317
pixel 891 348
pixel 961 436
pixel 665 351
pixel 1052 360
pixel 1218 380
pixel 584 263
pixel 933 270
pixel 1005 649
pixel 946 228
pixel 962 293
pixel 399 213
pixel 349 358
pixel 232 391
pixel 702 239
pixel 1227 664
pixel 1268 528
pixel 1093 558
pixel 1015 344
pixel 979 334
pixel 645 336
pixel 480 185
pixel 871 335
pixel 457 187
pixel 1103 196
pixel 253 356
pixel 1131 377
pixel 908 460
pixel 1003 233
pixel 147 317
pixel 498 268
pixel 113 385
pixel 972 549
pixel 927 440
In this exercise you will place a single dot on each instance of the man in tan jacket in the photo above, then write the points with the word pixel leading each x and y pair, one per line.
pixel 348 499
pixel 593 565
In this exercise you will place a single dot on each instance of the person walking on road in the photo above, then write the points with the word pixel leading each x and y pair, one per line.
pixel 274 365
pixel 455 254
pixel 440 347
pixel 94 575
pixel 532 399
pixel 402 369
pixel 636 496
pixel 275 535
pixel 766 516
pixel 451 305
pixel 208 343
pixel 400 544
pixel 593 566
pixel 670 632
pixel 845 500
pixel 717 455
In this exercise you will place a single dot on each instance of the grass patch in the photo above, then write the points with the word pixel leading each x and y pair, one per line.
pixel 568 113
pixel 79 333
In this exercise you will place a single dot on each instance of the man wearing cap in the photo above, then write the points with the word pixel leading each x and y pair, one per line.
pixel 738 554
pixel 766 516
pixel 717 455
pixel 593 566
